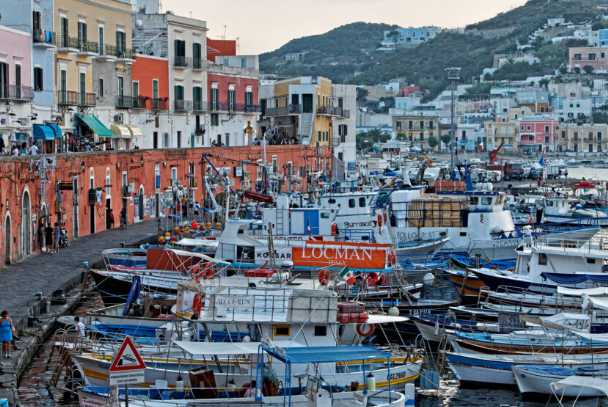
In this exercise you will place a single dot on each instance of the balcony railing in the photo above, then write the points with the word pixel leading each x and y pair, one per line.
pixel 119 52
pixel 333 111
pixel 72 98
pixel 284 110
pixel 198 64
pixel 88 47
pixel 130 102
pixel 199 106
pixel 159 104
pixel 16 93
pixel 227 107
pixel 181 61
pixel 44 37
pixel 66 42
pixel 182 105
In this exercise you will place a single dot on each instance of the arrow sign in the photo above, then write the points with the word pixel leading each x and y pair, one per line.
pixel 127 358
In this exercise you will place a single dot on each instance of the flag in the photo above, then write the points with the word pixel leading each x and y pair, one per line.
pixel 542 160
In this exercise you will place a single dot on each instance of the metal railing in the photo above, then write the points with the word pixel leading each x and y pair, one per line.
pixel 67 42
pixel 199 106
pixel 233 107
pixel 73 98
pixel 198 64
pixel 119 52
pixel 44 37
pixel 182 61
pixel 159 104
pixel 130 102
pixel 88 46
pixel 284 110
pixel 16 93
pixel 182 105
pixel 333 111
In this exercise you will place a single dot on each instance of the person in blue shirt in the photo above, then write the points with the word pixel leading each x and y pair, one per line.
pixel 7 329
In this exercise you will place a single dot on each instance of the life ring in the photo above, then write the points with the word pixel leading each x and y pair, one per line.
pixel 365 329
pixel 324 276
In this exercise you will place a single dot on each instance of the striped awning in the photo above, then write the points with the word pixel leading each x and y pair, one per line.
pixel 136 131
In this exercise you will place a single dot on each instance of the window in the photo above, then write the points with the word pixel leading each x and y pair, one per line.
pixel 215 96
pixel 197 56
pixel 231 98
pixel 38 79
pixel 173 175
pixel 155 140
pixel 36 23
pixel 101 40
pixel 179 139
pixel 281 330
pixel 82 34
pixel 249 96
pixel 64 32
pixel 166 140
pixel 215 119
pixel 275 165
pixel 135 92
pixel 352 203
pixel 100 88
pixel 542 259
pixel 3 79
pixel 121 86
pixel 18 81
pixel 197 96
pixel 320 330
pixel 227 140
pixel 362 202
pixel 155 88
pixel 121 43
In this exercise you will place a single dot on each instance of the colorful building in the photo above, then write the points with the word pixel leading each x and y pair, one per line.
pixel 583 138
pixel 596 58
pixel 15 87
pixel 538 134
pixel 417 128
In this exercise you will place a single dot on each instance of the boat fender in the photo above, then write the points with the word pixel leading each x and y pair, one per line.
pixel 365 329
pixel 379 221
pixel 392 259
pixel 372 279
pixel 323 277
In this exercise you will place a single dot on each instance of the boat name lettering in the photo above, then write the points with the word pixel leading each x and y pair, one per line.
pixel 345 253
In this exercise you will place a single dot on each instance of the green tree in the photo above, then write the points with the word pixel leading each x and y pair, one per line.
pixel 401 136
pixel 446 139
pixel 588 69
pixel 432 142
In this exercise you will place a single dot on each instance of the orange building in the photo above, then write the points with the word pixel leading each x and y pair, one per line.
pixel 82 190
pixel 217 48
pixel 151 74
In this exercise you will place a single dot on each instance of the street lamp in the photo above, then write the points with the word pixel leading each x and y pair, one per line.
pixel 453 74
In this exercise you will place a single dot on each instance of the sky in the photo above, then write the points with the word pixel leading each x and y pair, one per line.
pixel 264 25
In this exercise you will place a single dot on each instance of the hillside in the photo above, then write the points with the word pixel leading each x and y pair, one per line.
pixel 348 53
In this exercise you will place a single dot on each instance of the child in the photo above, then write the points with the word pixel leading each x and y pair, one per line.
pixel 6 333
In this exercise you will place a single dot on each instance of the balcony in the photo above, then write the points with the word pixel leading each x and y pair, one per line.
pixel 181 61
pixel 119 52
pixel 199 106
pixel 87 48
pixel 17 94
pixel 72 98
pixel 227 107
pixel 198 65
pixel 44 39
pixel 130 102
pixel 67 44
pixel 182 106
pixel 159 104
pixel 334 111
pixel 284 110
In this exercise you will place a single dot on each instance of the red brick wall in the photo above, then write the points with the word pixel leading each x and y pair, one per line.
pixel 21 174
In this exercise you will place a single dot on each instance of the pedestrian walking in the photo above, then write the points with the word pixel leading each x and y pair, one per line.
pixel 48 237
pixel 57 237
pixel 112 221
pixel 80 327
pixel 123 217
pixel 7 330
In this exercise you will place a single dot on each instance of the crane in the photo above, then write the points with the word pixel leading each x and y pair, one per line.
pixel 494 153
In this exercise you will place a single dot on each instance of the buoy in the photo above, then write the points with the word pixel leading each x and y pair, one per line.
pixel 428 279
pixel 393 311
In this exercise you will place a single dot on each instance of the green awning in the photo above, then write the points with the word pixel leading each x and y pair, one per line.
pixel 95 125
pixel 56 129
pixel 43 132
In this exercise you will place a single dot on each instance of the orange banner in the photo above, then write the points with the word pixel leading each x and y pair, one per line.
pixel 359 257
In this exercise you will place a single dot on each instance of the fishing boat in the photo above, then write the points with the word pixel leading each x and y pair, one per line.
pixel 540 379
pixel 125 259
pixel 497 369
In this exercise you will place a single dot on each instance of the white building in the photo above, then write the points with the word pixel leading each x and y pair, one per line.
pixel 345 128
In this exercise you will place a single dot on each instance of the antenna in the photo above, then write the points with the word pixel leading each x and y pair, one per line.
pixel 238 39
pixel 225 28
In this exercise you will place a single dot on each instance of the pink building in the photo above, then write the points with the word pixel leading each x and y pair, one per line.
pixel 15 86
pixel 537 134
pixel 582 57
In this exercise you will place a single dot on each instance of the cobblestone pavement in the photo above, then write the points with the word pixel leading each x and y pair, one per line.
pixel 48 272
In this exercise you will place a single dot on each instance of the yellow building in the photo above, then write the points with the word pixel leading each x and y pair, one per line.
pixel 89 31
pixel 300 111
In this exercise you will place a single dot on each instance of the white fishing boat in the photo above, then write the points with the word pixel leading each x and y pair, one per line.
pixel 541 380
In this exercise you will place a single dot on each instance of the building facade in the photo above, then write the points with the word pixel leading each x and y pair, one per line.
pixel 538 134
pixel 596 58
pixel 584 138
pixel 15 87
pixel 416 128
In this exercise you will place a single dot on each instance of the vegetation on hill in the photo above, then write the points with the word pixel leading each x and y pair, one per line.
pixel 348 53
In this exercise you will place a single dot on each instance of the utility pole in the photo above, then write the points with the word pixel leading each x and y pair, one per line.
pixel 453 74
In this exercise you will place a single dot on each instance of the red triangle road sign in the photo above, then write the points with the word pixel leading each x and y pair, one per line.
pixel 127 358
